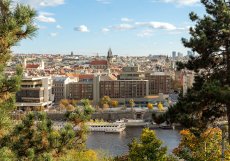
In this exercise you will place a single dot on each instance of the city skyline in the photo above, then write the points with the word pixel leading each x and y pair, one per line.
pixel 130 27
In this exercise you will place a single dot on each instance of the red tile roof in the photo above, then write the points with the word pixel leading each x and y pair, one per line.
pixel 80 76
pixel 32 65
pixel 99 62
pixel 72 75
pixel 86 76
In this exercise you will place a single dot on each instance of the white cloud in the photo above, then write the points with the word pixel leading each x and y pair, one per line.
pixel 46 3
pixel 124 27
pixel 104 30
pixel 125 19
pixel 59 27
pixel 104 1
pixel 157 25
pixel 42 3
pixel 45 17
pixel 145 33
pixel 53 34
pixel 179 2
pixel 82 28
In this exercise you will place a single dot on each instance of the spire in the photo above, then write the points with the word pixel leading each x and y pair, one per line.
pixel 109 57
pixel 167 59
pixel 110 54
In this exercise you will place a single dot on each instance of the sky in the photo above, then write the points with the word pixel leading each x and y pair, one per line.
pixel 128 27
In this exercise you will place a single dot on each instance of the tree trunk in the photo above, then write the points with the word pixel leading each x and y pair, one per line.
pixel 228 83
pixel 228 117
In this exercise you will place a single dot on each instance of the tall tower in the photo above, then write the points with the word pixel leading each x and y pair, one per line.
pixel 109 57
pixel 24 63
pixel 42 65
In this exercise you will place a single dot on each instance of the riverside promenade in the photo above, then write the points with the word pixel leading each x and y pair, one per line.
pixel 113 114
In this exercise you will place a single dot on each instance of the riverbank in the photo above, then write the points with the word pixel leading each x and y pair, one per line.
pixel 108 115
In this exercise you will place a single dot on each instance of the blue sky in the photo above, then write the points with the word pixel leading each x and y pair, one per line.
pixel 129 27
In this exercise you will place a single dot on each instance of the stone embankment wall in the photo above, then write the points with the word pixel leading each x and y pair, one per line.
pixel 110 116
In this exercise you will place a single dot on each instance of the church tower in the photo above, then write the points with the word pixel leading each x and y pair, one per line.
pixel 109 57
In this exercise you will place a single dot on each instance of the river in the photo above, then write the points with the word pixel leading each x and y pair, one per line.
pixel 117 144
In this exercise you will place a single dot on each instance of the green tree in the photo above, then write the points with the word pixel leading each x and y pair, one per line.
pixel 148 149
pixel 7 155
pixel 36 138
pixel 16 24
pixel 80 114
pixel 78 117
pixel 87 155
pixel 209 98
pixel 131 103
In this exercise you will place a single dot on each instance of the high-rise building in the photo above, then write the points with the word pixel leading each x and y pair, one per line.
pixel 180 55
pixel 174 54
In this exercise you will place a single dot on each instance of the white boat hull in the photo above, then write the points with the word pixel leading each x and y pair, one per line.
pixel 109 128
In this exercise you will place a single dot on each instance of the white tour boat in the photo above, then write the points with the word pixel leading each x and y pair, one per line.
pixel 134 122
pixel 106 127
pixel 92 126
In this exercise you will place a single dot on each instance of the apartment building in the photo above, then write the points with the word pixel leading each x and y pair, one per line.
pixel 124 88
pixel 35 92
pixel 99 64
pixel 81 89
pixel 159 82
pixel 60 85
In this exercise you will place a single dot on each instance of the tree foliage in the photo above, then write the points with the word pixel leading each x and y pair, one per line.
pixel 68 105
pixel 7 155
pixel 78 117
pixel 87 155
pixel 36 138
pixel 205 147
pixel 16 24
pixel 131 103
pixel 148 149
pixel 105 101
pixel 114 103
pixel 150 106
pixel 80 114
